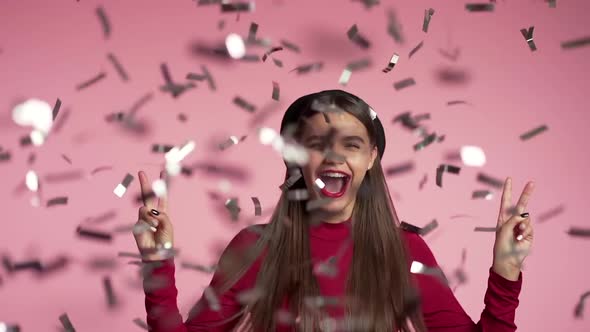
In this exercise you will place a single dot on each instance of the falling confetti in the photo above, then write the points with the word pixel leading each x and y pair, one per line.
pixel 404 83
pixel 551 213
pixel 534 132
pixel 427 16
pixel 420 230
pixel 392 63
pixel 420 268
pixel 453 56
pixel 121 188
pixel 579 232
pixel 304 69
pixel 237 7
pixel 91 234
pixel 62 200
pixel 485 229
pixel 257 206
pixel 575 43
pixel 415 49
pixel 199 267
pixel 104 22
pixel 243 104
pixel 269 52
pixel 66 323
pixel 393 26
pixel 109 292
pixel 445 168
pixel 405 167
pixel 206 76
pixel 484 178
pixel 579 310
pixel 528 36
pixel 91 81
pixel 212 299
pixel 456 102
pixel 485 194
pixel 118 67
pixel 276 91
pixel 354 35
pixel 480 7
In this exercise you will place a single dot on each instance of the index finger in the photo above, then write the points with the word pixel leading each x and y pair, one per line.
pixel 147 195
pixel 506 201
pixel 524 197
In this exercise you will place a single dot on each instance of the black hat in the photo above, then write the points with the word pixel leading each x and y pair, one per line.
pixel 294 111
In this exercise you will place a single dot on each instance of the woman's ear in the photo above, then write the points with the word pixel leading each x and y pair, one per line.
pixel 374 153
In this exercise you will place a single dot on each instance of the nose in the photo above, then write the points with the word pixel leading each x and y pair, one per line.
pixel 332 157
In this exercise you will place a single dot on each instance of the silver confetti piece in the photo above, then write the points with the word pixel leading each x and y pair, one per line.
pixel 56 108
pixel 257 206
pixel 269 52
pixel 199 267
pixel 496 183
pixel 456 102
pixel 91 234
pixel 445 168
pixel 420 268
pixel 404 83
pixel 392 63
pixel 354 35
pixel 534 132
pixel 394 27
pixel 423 182
pixel 110 294
pixel 575 43
pixel 415 49
pixel 237 7
pixel 141 323
pixel 294 176
pixel 233 208
pixel 250 296
pixel 66 323
pixel 291 46
pixel 242 103
pixel 118 67
pixel 551 213
pixel 278 63
pixel 121 188
pixel 62 200
pixel 528 36
pixel 485 194
pixel 419 230
pixel 304 69
pixel 579 310
pixel 579 232
pixel 485 229
pixel 66 158
pixel 426 142
pixel 400 168
pixel 252 32
pixel 91 81
pixel 276 91
pixel 212 299
pixel 427 16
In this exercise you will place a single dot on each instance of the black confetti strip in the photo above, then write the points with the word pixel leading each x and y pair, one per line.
pixel 579 232
pixel 528 36
pixel 552 213
pixel 5 156
pixel 62 200
pixel 66 158
pixel 426 142
pixel 533 132
pixel 56 108
pixel 404 83
pixel 394 27
pixel 252 33
pixel 484 229
pixel 456 102
pixel 257 206
pixel 354 35
pixel 579 309
pixel 276 91
pixel 427 16
pixel 290 46
pixel 27 265
pixel 480 7
pixel 269 52
pixel 304 69
pixel 100 169
pixel 445 168
pixel 66 323
pixel 91 81
pixel 392 63
pixel 237 7
pixel 109 292
pixel 419 230
pixel 415 49
pixel 104 22
pixel 118 67
pixel 402 168
pixel 161 148
pixel 575 43
pixel 485 194
pixel 91 234
pixel 489 180
pixel 243 104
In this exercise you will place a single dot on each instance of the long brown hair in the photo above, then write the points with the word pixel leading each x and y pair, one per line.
pixel 379 292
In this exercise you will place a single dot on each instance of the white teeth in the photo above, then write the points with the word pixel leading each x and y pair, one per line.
pixel 333 174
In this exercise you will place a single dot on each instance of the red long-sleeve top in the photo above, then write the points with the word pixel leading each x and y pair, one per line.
pixel 441 310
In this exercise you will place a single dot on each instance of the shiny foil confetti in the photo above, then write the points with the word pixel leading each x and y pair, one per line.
pixel 56 108
pixel 480 7
pixel 420 268
pixel 175 89
pixel 104 22
pixel 482 194
pixel 161 148
pixel 294 176
pixel 118 67
pixel 109 292
pixel 427 16
pixel 528 36
pixel 290 46
pixel 243 104
pixel 392 63
pixel 62 200
pixel 415 49
pixel 237 7
pixel 5 327
pixel 252 32
pixel 445 168
pixel 92 234
pixel 257 206
pixel 484 229
pixel 426 142
pixel 121 188
pixel 579 309
pixel 394 27
pixel 354 35
pixel 404 83
pixel 66 323
pixel 489 180
pixel 579 232
pixel 269 52
pixel 419 230
pixel 345 77
pixel 206 76
pixel 91 81
pixel 232 206
pixel 304 69
pixel 231 141
pixel 575 43
pixel 533 132
pixel 402 168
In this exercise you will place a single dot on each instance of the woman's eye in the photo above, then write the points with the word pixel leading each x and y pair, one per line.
pixel 353 146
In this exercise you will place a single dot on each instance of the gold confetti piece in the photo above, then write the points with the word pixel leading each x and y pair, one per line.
pixel 394 27
pixel 121 188
pixel 415 49
pixel 575 43
pixel 118 67
pixel 579 232
pixel 579 309
pixel 534 132
pixel 485 229
pixel 485 194
pixel 104 22
pixel 528 36
pixel 242 103
pixel 62 200
pixel 445 168
pixel 93 234
pixel 276 91
pixel 291 46
pixel 109 292
pixel 480 7
pixel 257 206
pixel 400 169
pixel 392 63
pixel 354 35
pixel 427 16
pixel 404 83
pixel 304 69
pixel 237 7
pixel 91 81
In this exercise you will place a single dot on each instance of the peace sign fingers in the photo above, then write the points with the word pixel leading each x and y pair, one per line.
pixel 147 195
pixel 506 202
pixel 524 197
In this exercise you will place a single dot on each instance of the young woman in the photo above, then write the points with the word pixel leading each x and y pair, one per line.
pixel 332 257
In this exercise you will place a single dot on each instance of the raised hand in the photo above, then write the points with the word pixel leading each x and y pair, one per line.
pixel 153 231
pixel 514 234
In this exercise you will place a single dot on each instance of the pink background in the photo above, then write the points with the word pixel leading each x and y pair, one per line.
pixel 48 47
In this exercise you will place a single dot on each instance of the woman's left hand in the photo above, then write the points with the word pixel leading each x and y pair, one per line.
pixel 514 233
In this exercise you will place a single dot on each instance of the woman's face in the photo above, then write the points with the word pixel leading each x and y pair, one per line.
pixel 342 170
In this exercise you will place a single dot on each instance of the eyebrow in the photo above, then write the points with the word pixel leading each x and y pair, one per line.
pixel 345 138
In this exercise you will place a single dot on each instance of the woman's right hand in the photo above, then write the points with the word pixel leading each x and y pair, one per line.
pixel 153 231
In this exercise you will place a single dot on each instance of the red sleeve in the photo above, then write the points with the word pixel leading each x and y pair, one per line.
pixel 160 297
pixel 443 313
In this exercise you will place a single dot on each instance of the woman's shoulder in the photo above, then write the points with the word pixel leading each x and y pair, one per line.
pixel 247 236
pixel 417 247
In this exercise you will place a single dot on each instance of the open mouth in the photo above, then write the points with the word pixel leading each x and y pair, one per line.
pixel 335 183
